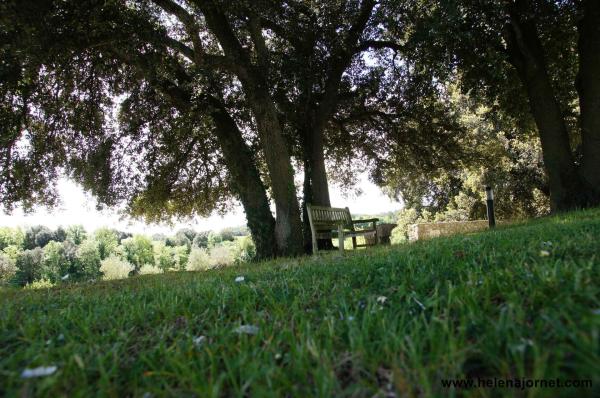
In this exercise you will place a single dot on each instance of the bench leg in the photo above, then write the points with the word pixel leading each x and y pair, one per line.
pixel 315 246
pixel 376 235
pixel 341 238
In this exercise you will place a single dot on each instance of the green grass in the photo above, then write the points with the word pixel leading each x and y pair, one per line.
pixel 483 305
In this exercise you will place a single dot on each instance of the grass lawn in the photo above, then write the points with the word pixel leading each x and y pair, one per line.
pixel 522 301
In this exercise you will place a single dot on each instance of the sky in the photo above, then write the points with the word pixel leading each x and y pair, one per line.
pixel 77 207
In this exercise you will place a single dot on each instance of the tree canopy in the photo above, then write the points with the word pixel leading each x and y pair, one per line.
pixel 179 107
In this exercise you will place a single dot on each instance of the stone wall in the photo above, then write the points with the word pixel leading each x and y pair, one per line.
pixel 435 229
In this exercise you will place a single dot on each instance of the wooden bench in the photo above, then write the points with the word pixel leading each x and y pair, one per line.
pixel 330 222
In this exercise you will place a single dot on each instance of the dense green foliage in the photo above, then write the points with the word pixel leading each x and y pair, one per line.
pixel 83 257
pixel 533 64
pixel 520 301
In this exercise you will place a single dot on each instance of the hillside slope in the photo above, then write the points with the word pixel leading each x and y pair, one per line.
pixel 520 301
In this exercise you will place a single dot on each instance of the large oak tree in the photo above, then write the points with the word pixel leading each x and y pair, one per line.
pixel 536 60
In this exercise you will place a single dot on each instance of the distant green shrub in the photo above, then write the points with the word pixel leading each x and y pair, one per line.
pixel 108 240
pixel 29 266
pixel 406 217
pixel 60 235
pixel 76 234
pixel 11 237
pixel 227 235
pixel 12 252
pixel 55 262
pixel 40 284
pixel 87 260
pixel 115 268
pixel 180 239
pixel 201 239
pixel 138 251
pixel 214 239
pixel 245 250
pixel 37 236
pixel 222 255
pixel 7 268
pixel 163 256
pixel 199 260
pixel 180 257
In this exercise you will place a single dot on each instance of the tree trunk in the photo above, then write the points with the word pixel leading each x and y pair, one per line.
pixel 245 181
pixel 316 188
pixel 288 226
pixel 526 55
pixel 588 86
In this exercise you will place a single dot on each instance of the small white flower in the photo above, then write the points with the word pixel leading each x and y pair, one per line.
pixel 38 372
pixel 544 253
pixel 239 279
pixel 247 329
pixel 381 299
pixel 199 340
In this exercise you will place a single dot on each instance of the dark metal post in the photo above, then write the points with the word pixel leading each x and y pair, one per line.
pixel 490 206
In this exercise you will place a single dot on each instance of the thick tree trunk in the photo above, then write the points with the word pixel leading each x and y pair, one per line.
pixel 245 181
pixel 526 55
pixel 288 226
pixel 316 188
pixel 588 86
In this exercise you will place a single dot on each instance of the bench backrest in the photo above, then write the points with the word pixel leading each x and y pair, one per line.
pixel 328 218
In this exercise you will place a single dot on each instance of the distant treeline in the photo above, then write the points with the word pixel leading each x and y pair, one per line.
pixel 40 255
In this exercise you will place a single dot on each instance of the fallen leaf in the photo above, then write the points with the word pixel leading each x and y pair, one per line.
pixel 38 372
pixel 247 329
pixel 78 361
pixel 199 340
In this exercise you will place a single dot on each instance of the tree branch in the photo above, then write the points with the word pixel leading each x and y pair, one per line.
pixel 220 26
pixel 378 44
pixel 340 62
pixel 262 52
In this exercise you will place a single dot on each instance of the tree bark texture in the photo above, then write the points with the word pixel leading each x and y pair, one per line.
pixel 316 187
pixel 588 86
pixel 526 55
pixel 288 226
pixel 245 181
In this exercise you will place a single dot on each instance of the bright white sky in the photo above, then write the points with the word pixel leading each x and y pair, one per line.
pixel 77 207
